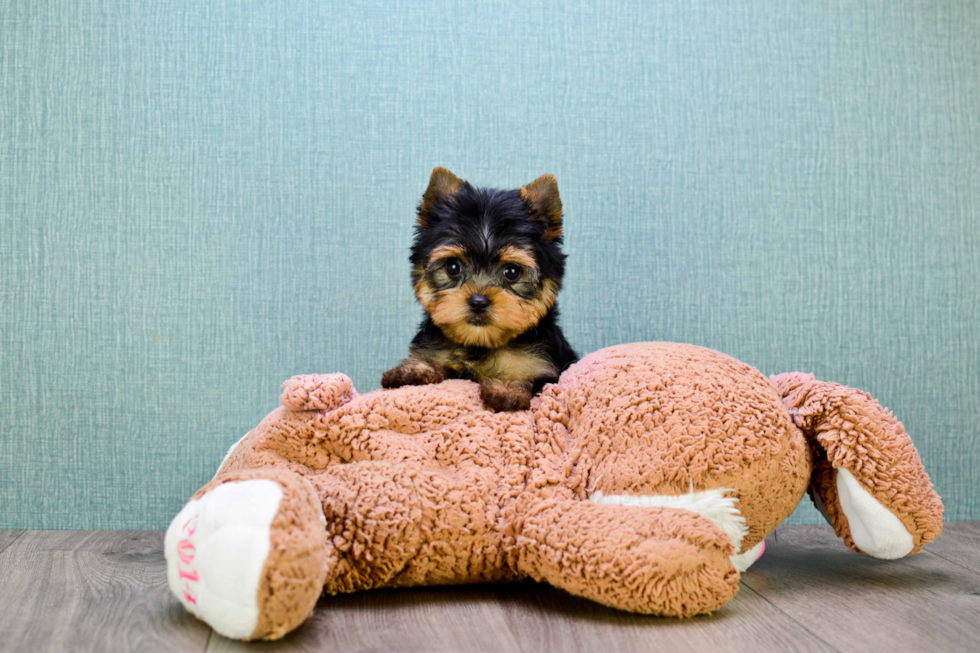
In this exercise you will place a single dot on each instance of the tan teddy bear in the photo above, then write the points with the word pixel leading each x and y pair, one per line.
pixel 645 479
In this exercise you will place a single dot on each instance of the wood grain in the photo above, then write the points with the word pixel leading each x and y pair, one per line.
pixel 92 591
pixel 7 538
pixel 858 603
pixel 526 617
pixel 546 619
pixel 107 591
pixel 421 619
pixel 959 544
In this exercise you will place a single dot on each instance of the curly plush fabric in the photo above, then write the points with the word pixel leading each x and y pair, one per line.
pixel 855 433
pixel 689 457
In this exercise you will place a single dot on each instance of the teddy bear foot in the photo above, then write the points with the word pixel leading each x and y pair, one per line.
pixel 248 555
pixel 216 548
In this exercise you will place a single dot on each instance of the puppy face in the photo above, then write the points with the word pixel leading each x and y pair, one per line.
pixel 487 264
pixel 483 298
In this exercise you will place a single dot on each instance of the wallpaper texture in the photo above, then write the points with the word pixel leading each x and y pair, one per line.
pixel 200 199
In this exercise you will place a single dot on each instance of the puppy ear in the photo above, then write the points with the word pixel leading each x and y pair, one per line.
pixel 442 185
pixel 542 198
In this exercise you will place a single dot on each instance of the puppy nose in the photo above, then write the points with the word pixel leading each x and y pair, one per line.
pixel 478 303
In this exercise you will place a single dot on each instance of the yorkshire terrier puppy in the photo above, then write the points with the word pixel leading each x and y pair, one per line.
pixel 487 266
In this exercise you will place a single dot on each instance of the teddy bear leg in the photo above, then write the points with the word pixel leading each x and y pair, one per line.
pixel 396 524
pixel 248 554
pixel 868 480
pixel 655 560
pixel 373 520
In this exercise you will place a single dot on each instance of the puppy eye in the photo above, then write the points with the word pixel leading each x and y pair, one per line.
pixel 512 272
pixel 454 267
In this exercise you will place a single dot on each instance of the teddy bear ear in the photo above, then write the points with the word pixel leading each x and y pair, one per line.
pixel 544 202
pixel 442 185
pixel 317 392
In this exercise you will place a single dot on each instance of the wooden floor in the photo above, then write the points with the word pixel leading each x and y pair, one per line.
pixel 107 591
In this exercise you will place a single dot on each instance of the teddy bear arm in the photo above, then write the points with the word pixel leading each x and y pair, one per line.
pixel 661 561
pixel 868 480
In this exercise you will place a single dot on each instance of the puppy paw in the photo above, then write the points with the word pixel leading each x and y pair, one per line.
pixel 411 371
pixel 505 395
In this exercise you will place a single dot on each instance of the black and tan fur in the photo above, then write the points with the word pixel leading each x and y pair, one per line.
pixel 487 266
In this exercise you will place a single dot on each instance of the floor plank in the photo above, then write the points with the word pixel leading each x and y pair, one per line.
pixel 107 591
pixel 546 619
pixel 92 591
pixel 959 544
pixel 419 619
pixel 7 538
pixel 526 617
pixel 857 603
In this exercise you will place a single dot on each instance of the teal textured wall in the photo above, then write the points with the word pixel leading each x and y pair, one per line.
pixel 201 199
